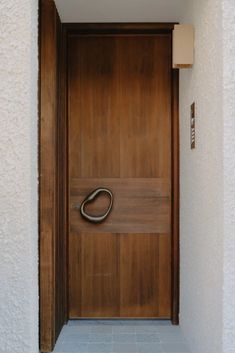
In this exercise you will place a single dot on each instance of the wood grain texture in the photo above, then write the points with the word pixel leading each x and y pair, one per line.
pixel 61 270
pixel 48 81
pixel 49 159
pixel 120 137
pixel 100 275
pixel 140 205
pixel 119 28
pixel 165 275
pixel 74 275
pixel 121 275
pixel 130 98
pixel 95 292
pixel 93 113
pixel 52 238
pixel 141 274
pixel 144 107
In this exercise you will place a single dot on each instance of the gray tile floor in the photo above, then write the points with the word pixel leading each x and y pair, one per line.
pixel 120 336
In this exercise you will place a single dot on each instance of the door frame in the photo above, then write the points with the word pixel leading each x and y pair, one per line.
pixel 53 162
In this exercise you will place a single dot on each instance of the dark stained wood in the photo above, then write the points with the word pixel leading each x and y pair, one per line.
pixel 140 292
pixel 48 159
pixel 118 28
pixel 119 110
pixel 61 296
pixel 108 98
pixel 53 302
pixel 95 275
pixel 75 274
pixel 48 81
pixel 175 198
pixel 164 275
pixel 98 151
pixel 145 106
pixel 100 275
pixel 140 205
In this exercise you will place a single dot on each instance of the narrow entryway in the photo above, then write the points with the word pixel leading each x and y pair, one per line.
pixel 113 134
pixel 120 336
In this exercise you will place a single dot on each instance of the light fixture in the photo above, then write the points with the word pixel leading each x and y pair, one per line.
pixel 183 46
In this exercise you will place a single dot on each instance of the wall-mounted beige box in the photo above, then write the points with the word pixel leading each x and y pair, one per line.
pixel 183 46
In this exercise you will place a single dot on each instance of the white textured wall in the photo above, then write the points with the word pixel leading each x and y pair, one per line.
pixel 202 183
pixel 18 177
pixel 207 180
pixel 229 174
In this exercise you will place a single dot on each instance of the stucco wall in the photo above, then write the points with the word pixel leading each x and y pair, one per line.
pixel 18 177
pixel 202 183
pixel 229 174
pixel 207 179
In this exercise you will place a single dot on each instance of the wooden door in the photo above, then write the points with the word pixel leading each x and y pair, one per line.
pixel 119 112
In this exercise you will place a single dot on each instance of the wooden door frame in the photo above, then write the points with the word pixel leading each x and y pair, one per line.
pixel 53 150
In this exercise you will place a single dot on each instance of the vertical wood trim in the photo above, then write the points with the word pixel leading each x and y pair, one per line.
pixel 51 241
pixel 47 150
pixel 175 197
pixel 62 177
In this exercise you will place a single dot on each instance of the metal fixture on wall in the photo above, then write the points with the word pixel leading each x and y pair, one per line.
pixel 193 127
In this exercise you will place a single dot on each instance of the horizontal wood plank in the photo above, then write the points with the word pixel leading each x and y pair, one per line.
pixel 140 205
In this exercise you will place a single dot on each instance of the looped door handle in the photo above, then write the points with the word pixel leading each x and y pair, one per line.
pixel 91 197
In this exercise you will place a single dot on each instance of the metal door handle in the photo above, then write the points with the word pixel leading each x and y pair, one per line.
pixel 91 197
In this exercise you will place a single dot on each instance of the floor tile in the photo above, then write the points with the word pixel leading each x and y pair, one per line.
pixel 104 329
pixel 149 348
pixel 101 337
pixel 69 347
pixel 120 336
pixel 174 348
pixel 171 337
pixel 99 348
pixel 125 348
pixel 168 329
pixel 152 322
pixel 147 329
pixel 147 337
pixel 124 329
pixel 124 338
pixel 77 338
pixel 88 322
pixel 78 329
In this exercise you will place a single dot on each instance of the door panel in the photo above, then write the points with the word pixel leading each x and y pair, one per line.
pixel 94 149
pixel 119 107
pixel 144 107
pixel 141 205
pixel 95 275
pixel 139 275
